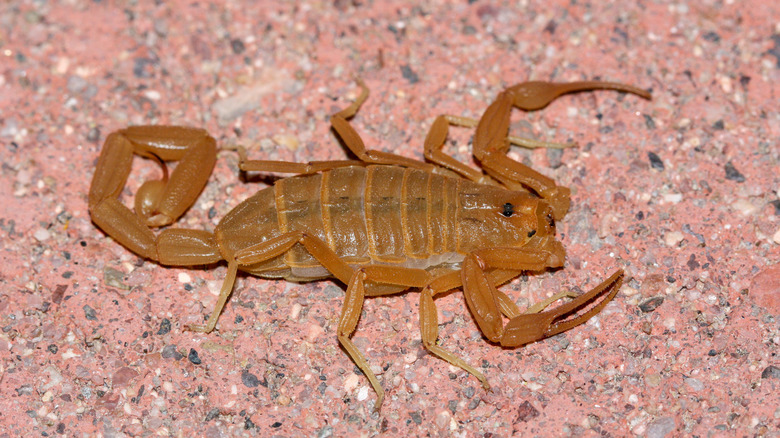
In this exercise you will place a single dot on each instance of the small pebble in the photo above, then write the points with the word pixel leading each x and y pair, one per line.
pixel 745 207
pixel 170 352
pixel 672 198
pixel 193 357
pixel 771 372
pixel 165 327
pixel 288 141
pixel 694 384
pixel 655 161
pixel 442 419
pixel 295 311
pixel 660 427
pixel 41 234
pixel 765 288
pixel 733 174
pixel 351 382
pixel 673 238
pixel 249 380
pixel 89 313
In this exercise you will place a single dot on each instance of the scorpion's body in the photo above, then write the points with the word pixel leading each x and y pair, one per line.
pixel 379 214
pixel 381 224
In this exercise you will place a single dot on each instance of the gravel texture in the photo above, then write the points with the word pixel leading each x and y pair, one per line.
pixel 681 192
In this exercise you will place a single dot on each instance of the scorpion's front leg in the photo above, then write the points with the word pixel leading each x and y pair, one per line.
pixel 491 143
pixel 429 323
pixel 157 202
pixel 437 136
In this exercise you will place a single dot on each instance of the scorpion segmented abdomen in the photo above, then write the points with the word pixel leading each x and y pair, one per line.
pixel 383 196
pixel 343 213
pixel 374 214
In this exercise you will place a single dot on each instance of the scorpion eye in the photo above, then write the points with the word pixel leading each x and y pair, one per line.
pixel 550 220
pixel 509 210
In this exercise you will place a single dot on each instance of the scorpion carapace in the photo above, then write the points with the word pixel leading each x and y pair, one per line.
pixel 381 224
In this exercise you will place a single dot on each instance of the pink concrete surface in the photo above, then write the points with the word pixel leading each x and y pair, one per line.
pixel 680 191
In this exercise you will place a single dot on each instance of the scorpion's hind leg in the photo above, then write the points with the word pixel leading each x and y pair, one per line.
pixel 491 144
pixel 161 202
pixel 353 305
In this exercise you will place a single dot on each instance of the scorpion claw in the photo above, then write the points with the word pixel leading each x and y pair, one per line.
pixel 531 327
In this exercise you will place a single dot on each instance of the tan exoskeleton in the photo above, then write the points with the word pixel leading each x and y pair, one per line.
pixel 381 224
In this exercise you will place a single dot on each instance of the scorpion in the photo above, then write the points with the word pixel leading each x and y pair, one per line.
pixel 381 224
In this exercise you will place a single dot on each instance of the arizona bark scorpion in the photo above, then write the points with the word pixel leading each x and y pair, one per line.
pixel 381 224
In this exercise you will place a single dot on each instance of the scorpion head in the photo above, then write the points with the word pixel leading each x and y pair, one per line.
pixel 494 217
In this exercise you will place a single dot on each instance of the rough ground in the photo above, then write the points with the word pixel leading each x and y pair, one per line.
pixel 680 191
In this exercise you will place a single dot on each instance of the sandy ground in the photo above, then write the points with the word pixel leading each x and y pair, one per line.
pixel 680 191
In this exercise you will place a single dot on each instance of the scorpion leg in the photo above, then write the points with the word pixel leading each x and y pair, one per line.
pixel 352 139
pixel 437 136
pixel 247 165
pixel 354 278
pixel 353 305
pixel 429 323
pixel 491 144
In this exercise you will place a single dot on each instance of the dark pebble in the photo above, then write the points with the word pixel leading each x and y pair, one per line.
pixel 771 372
pixel 409 74
pixel 655 161
pixel 526 411
pixel 193 357
pixel 165 326
pixel 237 45
pixel 651 304
pixel 89 313
pixel 733 174
pixel 249 380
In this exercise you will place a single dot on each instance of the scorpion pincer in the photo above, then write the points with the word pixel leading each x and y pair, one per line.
pixel 381 224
